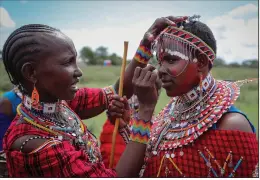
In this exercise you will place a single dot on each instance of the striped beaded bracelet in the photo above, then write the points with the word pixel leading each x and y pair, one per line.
pixel 125 133
pixel 109 91
pixel 140 130
pixel 143 54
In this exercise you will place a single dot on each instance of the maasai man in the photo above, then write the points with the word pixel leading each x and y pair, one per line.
pixel 199 133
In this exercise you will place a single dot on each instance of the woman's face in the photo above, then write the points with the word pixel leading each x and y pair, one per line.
pixel 178 75
pixel 57 73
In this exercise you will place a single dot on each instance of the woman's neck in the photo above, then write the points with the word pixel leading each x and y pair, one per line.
pixel 196 93
pixel 43 107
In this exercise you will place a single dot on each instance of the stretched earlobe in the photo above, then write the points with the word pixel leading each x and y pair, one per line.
pixel 202 62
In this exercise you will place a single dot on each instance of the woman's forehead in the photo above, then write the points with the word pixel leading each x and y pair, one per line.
pixel 59 44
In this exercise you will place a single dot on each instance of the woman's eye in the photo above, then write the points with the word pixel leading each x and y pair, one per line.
pixel 68 62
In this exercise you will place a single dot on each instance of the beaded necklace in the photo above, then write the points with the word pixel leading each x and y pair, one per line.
pixel 58 119
pixel 173 130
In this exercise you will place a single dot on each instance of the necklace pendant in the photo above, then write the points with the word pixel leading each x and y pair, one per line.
pixel 49 108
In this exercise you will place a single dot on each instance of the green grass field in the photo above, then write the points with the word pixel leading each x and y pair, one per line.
pixel 99 76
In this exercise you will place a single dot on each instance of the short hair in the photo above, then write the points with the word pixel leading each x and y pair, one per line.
pixel 202 31
pixel 20 47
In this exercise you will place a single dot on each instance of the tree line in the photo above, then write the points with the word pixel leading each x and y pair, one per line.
pixel 250 63
pixel 97 57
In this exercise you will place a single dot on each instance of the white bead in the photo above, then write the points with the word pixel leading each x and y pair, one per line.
pixel 60 138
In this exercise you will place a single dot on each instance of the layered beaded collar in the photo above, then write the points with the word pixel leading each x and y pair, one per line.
pixel 187 117
pixel 191 104
pixel 208 84
pixel 58 119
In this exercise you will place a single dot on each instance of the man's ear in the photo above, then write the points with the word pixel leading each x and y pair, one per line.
pixel 28 72
pixel 203 63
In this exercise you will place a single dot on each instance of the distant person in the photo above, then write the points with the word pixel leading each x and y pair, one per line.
pixel 8 104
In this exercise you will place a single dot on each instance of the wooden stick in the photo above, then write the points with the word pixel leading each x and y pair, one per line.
pixel 120 93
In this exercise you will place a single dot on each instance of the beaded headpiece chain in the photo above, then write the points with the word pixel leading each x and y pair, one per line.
pixel 178 42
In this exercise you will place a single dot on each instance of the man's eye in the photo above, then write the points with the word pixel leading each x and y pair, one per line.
pixel 171 61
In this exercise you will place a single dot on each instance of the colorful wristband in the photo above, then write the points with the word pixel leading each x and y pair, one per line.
pixel 125 133
pixel 143 54
pixel 108 93
pixel 140 130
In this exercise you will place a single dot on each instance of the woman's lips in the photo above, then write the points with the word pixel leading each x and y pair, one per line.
pixel 74 86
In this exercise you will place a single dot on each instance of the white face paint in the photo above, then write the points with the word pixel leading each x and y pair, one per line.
pixel 176 53
pixel 179 54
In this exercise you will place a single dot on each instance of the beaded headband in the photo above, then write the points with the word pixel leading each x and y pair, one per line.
pixel 173 37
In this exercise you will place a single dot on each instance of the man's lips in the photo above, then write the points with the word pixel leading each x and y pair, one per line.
pixel 166 84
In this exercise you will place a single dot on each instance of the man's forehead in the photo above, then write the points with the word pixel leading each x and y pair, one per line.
pixel 173 45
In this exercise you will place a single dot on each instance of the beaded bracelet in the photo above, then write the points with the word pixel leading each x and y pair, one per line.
pixel 143 54
pixel 125 132
pixel 140 130
pixel 108 93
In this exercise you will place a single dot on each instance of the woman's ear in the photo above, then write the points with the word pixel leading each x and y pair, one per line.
pixel 203 63
pixel 28 72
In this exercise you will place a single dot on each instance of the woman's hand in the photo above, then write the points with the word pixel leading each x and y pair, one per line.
pixel 119 108
pixel 158 26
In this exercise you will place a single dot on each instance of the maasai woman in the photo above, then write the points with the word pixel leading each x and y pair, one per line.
pixel 199 133
pixel 47 137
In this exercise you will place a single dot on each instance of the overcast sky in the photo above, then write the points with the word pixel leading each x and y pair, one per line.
pixel 109 23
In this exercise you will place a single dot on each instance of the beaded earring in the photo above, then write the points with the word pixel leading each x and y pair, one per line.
pixel 201 90
pixel 35 97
